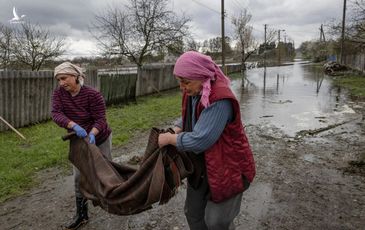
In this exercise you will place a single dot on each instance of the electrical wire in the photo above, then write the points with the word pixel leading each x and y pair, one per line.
pixel 199 3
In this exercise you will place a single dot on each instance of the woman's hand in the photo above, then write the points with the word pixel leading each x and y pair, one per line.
pixel 177 129
pixel 167 139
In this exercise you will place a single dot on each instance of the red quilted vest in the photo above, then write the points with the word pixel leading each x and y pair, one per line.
pixel 230 157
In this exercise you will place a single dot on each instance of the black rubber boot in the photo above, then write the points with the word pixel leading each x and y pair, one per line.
pixel 81 216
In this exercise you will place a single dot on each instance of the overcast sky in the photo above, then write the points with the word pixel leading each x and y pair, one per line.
pixel 300 19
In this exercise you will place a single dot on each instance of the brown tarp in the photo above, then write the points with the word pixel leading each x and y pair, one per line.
pixel 122 189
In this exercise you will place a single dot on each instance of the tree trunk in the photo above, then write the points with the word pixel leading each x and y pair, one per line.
pixel 243 61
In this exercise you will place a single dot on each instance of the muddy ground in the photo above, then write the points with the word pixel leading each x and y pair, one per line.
pixel 310 182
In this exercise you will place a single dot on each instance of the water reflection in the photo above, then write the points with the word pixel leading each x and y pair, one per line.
pixel 293 97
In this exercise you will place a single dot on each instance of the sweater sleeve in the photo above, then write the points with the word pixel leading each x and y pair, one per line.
pixel 208 127
pixel 57 113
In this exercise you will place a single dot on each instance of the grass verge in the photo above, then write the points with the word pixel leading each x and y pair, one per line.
pixel 20 160
pixel 355 83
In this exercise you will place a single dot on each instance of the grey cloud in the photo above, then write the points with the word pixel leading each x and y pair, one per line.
pixel 73 17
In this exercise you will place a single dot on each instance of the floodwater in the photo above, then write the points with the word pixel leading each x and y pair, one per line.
pixel 292 98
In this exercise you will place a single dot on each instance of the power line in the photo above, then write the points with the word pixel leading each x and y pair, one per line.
pixel 237 5
pixel 240 4
pixel 203 5
pixel 199 3
pixel 226 15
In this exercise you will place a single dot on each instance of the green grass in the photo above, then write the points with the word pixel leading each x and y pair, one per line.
pixel 234 76
pixel 20 160
pixel 354 83
pixel 148 112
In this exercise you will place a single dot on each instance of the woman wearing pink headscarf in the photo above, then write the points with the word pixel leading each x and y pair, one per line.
pixel 210 131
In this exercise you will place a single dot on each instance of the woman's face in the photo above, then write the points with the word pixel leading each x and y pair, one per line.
pixel 191 87
pixel 68 82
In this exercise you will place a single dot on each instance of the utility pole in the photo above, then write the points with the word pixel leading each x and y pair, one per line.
pixel 265 46
pixel 321 36
pixel 223 37
pixel 343 32
pixel 290 48
pixel 285 46
pixel 279 58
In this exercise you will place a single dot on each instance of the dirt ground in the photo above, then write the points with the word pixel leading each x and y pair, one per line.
pixel 311 182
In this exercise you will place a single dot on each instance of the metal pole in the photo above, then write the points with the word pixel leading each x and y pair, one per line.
pixel 279 58
pixel 343 32
pixel 279 47
pixel 223 37
pixel 265 46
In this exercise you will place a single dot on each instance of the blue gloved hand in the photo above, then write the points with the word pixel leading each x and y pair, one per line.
pixel 91 138
pixel 80 132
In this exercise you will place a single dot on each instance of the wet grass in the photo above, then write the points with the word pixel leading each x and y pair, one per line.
pixel 148 112
pixel 234 76
pixel 20 160
pixel 354 82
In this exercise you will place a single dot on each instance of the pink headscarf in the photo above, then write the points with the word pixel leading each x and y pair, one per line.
pixel 193 65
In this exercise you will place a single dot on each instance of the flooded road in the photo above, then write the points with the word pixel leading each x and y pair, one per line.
pixel 292 98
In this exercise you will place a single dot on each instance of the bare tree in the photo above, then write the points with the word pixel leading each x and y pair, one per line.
pixel 191 44
pixel 243 33
pixel 215 44
pixel 354 28
pixel 138 29
pixel 271 35
pixel 205 46
pixel 357 28
pixel 34 45
pixel 213 47
pixel 180 46
pixel 176 48
pixel 6 39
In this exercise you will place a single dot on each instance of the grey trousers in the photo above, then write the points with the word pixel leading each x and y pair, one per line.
pixel 105 149
pixel 203 214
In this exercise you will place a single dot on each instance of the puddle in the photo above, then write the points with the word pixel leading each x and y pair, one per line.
pixel 292 97
pixel 255 206
pixel 310 158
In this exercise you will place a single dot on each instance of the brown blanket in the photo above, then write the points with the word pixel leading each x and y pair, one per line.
pixel 123 190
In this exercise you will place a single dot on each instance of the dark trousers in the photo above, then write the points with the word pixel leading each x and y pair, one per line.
pixel 203 214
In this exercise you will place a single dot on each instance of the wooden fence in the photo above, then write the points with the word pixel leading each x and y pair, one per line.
pixel 155 78
pixel 117 88
pixel 25 96
pixel 356 61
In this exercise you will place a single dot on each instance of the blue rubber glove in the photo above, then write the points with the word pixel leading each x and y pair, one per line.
pixel 80 132
pixel 91 138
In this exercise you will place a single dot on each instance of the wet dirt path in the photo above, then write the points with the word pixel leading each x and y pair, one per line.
pixel 302 182
pixel 299 184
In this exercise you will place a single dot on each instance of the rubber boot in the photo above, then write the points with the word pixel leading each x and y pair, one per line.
pixel 81 216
